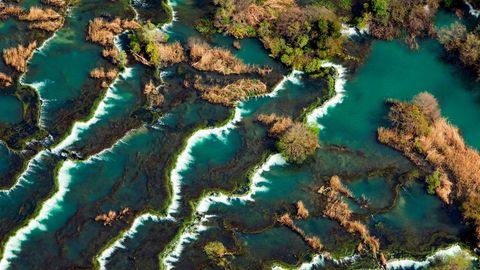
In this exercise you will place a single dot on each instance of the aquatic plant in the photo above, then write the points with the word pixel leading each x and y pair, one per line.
pixel 169 54
pixel 206 58
pixel 5 80
pixel 455 166
pixel 17 57
pixel 154 97
pixel 298 143
pixel 112 216
pixel 337 209
pixel 103 32
pixel 302 211
pixel 216 252
pixel 278 124
pixel 230 94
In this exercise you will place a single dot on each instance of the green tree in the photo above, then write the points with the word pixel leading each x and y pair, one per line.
pixel 433 182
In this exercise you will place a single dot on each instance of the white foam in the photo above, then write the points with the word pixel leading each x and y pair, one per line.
pixel 14 243
pixel 317 260
pixel 101 110
pixel 190 233
pixel 167 27
pixel 130 233
pixel 23 178
pixel 340 81
pixel 294 77
pixel 474 12
pixel 440 254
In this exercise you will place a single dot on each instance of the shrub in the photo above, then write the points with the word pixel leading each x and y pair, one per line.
pixel 428 104
pixel 298 143
pixel 215 250
pixel 433 182
pixel 408 118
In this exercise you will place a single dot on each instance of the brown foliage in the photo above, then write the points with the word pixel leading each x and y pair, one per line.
pixel 337 209
pixel 103 32
pixel 112 216
pixel 206 58
pixel 313 242
pixel 18 57
pixel 9 10
pixel 278 124
pixel 154 97
pixel 302 211
pixel 111 53
pixel 5 80
pixel 230 94
pixel 444 150
pixel 298 143
pixel 170 53
pixel 44 19
pixel 100 73
pixel 337 185
pixel 39 14
pixel 130 24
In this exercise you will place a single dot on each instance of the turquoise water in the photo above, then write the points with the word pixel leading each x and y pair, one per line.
pixel 11 110
pixel 114 159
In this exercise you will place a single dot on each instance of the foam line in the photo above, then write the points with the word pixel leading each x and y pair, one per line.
pixel 101 110
pixel 294 77
pixel 340 81
pixel 14 243
pixel 474 12
pixel 192 232
pixel 440 254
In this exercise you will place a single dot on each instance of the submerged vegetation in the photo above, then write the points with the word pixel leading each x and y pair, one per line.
pixel 453 166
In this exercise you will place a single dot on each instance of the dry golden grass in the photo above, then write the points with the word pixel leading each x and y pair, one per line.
pixel 56 3
pixel 103 32
pixel 338 186
pixel 39 14
pixel 50 26
pixel 313 242
pixel 18 57
pixel 112 216
pixel 130 24
pixel 230 94
pixel 111 53
pixel 337 209
pixel 5 80
pixel 9 10
pixel 445 150
pixel 154 97
pixel 172 53
pixel 206 58
pixel 253 14
pixel 278 124
pixel 100 73
pixel 302 211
